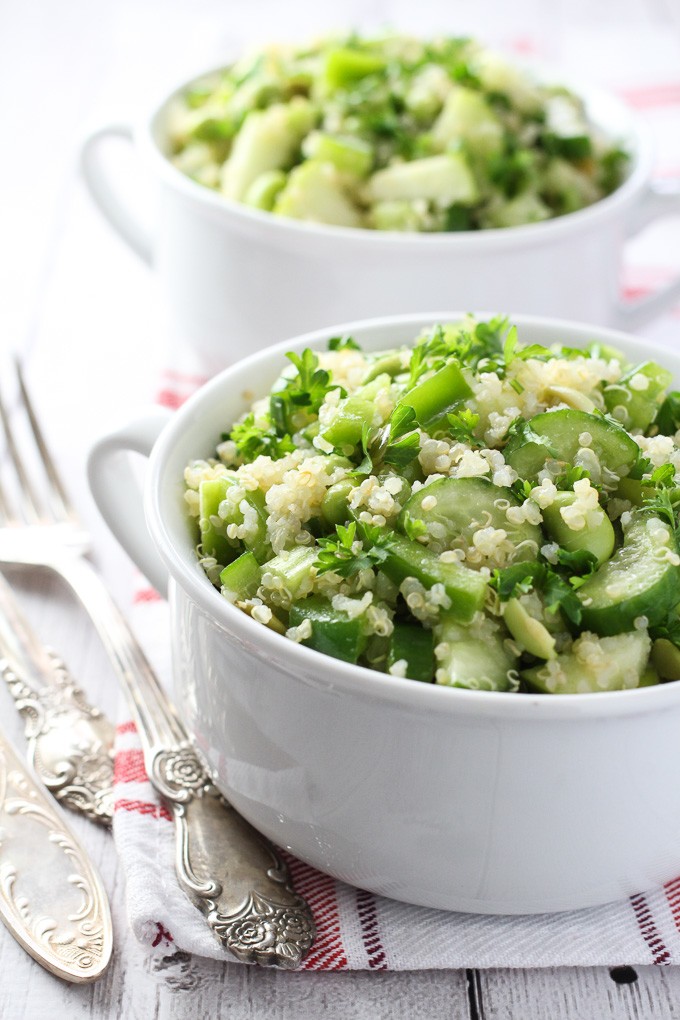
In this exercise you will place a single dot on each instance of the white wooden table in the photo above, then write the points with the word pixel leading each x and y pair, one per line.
pixel 85 315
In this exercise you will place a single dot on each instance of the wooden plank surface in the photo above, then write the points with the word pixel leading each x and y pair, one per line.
pixel 63 274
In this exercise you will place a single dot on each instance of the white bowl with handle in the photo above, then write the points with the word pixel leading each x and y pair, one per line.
pixel 465 800
pixel 235 279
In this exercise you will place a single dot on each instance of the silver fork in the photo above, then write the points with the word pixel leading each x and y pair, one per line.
pixel 230 872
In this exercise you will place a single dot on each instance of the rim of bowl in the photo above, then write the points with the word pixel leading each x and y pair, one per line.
pixel 190 576
pixel 636 139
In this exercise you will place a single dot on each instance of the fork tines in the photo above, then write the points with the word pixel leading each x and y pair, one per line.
pixel 31 491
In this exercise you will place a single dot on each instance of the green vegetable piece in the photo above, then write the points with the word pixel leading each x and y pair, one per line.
pixel 525 208
pixel 464 660
pixel 640 580
pixel 443 179
pixel 554 435
pixel 667 420
pixel 530 634
pixel 214 541
pixel 333 632
pixel 390 364
pixel 268 140
pixel 288 576
pixel 621 664
pixel 437 394
pixel 666 659
pixel 241 578
pixel 344 67
pixel 634 400
pixel 465 587
pixel 597 537
pixel 415 645
pixel 353 413
pixel 463 505
pixel 468 118
pixel 347 154
pixel 634 490
pixel 316 192
pixel 334 505
pixel 263 192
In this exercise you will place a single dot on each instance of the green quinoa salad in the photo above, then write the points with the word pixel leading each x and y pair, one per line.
pixel 392 133
pixel 466 511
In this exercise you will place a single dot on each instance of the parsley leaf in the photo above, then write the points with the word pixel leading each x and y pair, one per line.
pixel 667 419
pixel 462 425
pixel 305 392
pixel 253 440
pixel 345 555
pixel 341 343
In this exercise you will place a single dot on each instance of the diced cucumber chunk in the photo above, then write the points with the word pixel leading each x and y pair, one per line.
pixel 333 632
pixel 463 660
pixel 462 507
pixel 530 634
pixel 468 118
pixel 390 364
pixel 443 179
pixel 466 588
pixel 289 575
pixel 347 154
pixel 267 141
pixel 566 131
pixel 335 505
pixel 596 664
pixel 635 399
pixel 555 435
pixel 415 646
pixel 437 394
pixel 213 528
pixel 241 578
pixel 353 413
pixel 344 67
pixel 264 190
pixel 597 536
pixel 315 192
pixel 640 581
pixel 514 212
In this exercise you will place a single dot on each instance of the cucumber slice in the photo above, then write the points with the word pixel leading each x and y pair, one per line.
pixel 597 537
pixel 554 435
pixel 638 581
pixel 619 663
pixel 634 400
pixel 466 661
pixel 415 645
pixel 464 505
pixel 333 632
pixel 466 588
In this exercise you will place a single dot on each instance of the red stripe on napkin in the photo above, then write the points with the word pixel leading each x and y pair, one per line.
pixel 672 890
pixel 649 930
pixel 328 952
pixel 370 934
pixel 129 767
pixel 143 807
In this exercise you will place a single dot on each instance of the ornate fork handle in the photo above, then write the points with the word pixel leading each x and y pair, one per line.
pixel 228 870
pixel 70 743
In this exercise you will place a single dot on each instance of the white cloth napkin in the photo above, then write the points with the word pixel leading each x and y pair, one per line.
pixel 356 929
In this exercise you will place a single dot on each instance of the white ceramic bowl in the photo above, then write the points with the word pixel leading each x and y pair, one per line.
pixel 236 279
pixel 472 801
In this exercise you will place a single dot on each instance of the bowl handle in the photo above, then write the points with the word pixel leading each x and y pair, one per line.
pixel 659 200
pixel 118 494
pixel 105 194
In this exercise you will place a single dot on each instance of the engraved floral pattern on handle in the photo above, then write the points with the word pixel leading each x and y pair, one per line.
pixel 231 873
pixel 70 743
pixel 65 924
